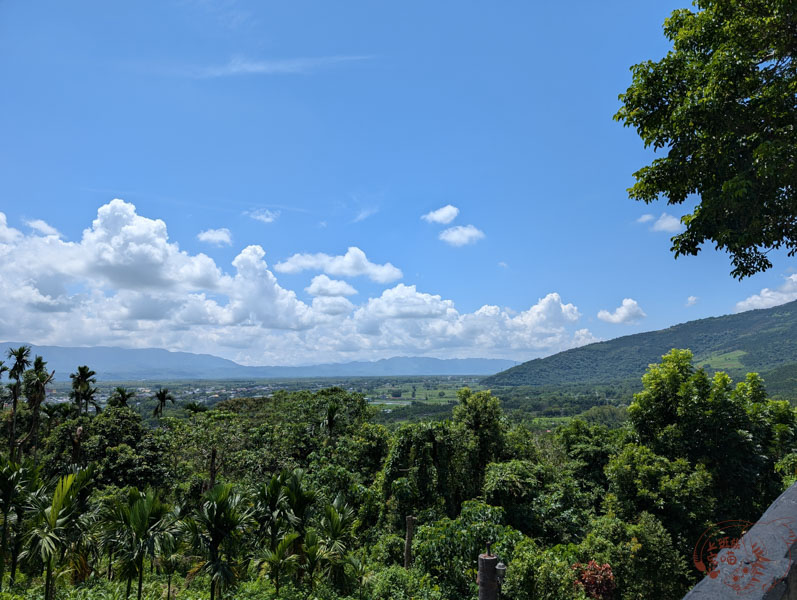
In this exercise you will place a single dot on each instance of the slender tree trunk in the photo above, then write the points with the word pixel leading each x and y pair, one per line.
pixel 3 545
pixel 129 585
pixel 13 438
pixel 169 586
pixel 140 578
pixel 48 581
pixel 35 434
pixel 212 589
pixel 212 467
pixel 14 558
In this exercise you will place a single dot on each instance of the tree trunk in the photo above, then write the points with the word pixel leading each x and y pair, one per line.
pixel 169 586
pixel 13 438
pixel 212 589
pixel 140 578
pixel 48 581
pixel 3 544
pixel 35 427
pixel 213 467
pixel 14 559
pixel 129 585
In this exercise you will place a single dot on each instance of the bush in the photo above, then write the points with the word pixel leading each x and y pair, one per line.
pixel 643 559
pixel 397 583
pixel 537 574
pixel 596 580
pixel 449 548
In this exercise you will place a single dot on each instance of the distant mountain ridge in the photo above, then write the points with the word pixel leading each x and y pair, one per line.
pixel 762 340
pixel 117 364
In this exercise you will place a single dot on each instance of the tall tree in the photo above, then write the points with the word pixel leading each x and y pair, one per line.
pixel 11 485
pixel 55 516
pixel 270 509
pixel 215 530
pixel 722 105
pixel 36 382
pixel 481 413
pixel 135 528
pixel 21 358
pixel 279 562
pixel 83 389
pixel 120 397
pixel 162 396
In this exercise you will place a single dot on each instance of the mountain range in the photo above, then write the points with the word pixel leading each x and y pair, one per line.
pixel 120 364
pixel 764 341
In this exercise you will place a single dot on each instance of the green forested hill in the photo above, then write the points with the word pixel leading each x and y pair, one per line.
pixel 759 340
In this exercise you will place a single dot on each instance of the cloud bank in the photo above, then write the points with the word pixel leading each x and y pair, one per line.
pixel 126 283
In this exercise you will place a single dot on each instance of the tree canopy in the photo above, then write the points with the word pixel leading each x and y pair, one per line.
pixel 723 104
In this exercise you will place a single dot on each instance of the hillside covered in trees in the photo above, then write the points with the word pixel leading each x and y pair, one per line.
pixel 764 341
pixel 302 495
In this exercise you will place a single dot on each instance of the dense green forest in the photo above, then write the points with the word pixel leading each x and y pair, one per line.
pixel 764 341
pixel 303 495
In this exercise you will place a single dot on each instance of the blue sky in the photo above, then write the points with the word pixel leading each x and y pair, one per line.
pixel 273 163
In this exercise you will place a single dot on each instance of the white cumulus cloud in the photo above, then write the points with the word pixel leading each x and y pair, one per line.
pixel 461 235
pixel 42 227
pixel 768 298
pixel 321 285
pixel 628 312
pixel 263 215
pixel 8 234
pixel 217 237
pixel 351 264
pixel 125 282
pixel 443 215
pixel 667 223
pixel 692 300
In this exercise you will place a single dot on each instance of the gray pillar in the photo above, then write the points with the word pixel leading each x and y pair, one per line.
pixel 488 582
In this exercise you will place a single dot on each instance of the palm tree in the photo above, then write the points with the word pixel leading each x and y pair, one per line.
pixel 21 358
pixel 29 481
pixel 271 509
pixel 317 560
pixel 12 485
pixel 171 555
pixel 279 562
pixel 3 368
pixel 161 397
pixel 82 390
pixel 331 417
pixel 36 382
pixel 135 528
pixel 214 531
pixel 359 572
pixel 336 531
pixel 55 518
pixel 300 499
pixel 56 413
pixel 120 397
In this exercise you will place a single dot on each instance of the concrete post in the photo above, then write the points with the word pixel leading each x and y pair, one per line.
pixel 487 580
pixel 408 541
